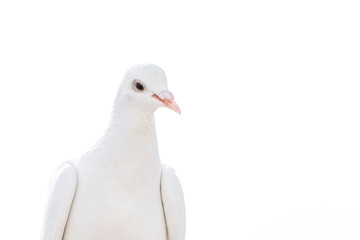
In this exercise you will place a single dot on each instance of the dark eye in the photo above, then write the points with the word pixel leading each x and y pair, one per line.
pixel 139 86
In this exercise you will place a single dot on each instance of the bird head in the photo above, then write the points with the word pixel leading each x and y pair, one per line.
pixel 146 86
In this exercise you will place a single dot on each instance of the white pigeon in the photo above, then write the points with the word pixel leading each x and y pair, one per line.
pixel 119 190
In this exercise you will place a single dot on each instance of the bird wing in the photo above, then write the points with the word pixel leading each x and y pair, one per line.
pixel 173 204
pixel 59 204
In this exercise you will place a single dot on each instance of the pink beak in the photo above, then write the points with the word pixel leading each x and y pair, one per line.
pixel 168 99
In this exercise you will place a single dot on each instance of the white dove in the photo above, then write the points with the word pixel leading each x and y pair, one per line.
pixel 119 190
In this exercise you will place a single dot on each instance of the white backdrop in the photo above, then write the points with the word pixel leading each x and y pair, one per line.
pixel 267 146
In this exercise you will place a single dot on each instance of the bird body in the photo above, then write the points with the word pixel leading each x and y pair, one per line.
pixel 117 189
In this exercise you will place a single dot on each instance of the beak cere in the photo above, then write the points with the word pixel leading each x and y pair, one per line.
pixel 167 98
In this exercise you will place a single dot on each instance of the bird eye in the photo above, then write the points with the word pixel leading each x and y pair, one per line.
pixel 138 85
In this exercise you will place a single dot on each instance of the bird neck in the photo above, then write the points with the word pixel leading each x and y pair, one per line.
pixel 131 126
pixel 131 136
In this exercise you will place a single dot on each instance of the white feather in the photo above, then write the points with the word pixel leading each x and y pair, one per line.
pixel 173 203
pixel 118 195
pixel 59 204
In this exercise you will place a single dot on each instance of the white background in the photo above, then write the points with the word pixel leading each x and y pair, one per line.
pixel 267 146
